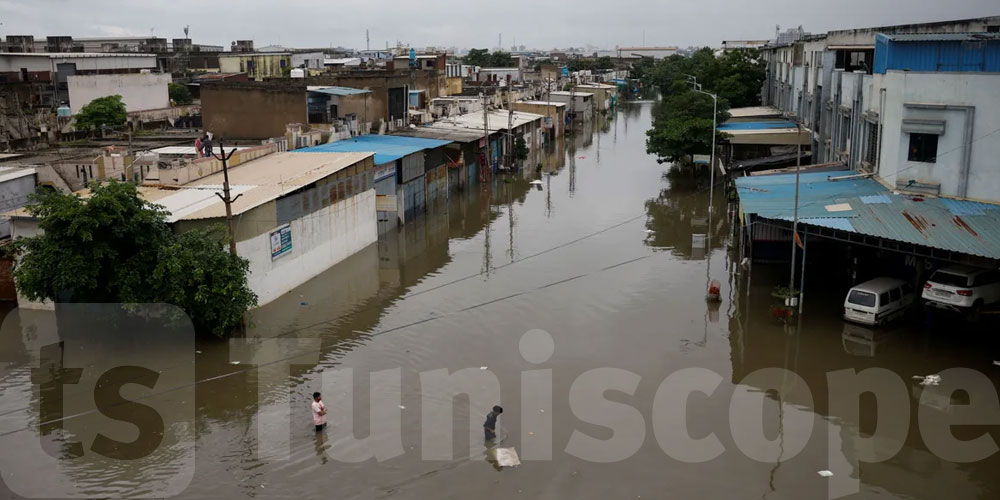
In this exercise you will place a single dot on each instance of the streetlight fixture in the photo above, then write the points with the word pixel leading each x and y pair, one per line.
pixel 711 164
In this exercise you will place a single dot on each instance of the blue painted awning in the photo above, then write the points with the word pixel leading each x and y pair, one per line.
pixel 864 206
pixel 757 125
pixel 387 148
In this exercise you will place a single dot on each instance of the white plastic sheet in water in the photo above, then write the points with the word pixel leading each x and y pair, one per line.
pixel 507 457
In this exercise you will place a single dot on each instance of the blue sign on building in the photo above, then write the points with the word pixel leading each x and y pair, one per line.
pixel 565 71
pixel 281 241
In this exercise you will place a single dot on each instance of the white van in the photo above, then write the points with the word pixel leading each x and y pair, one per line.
pixel 878 301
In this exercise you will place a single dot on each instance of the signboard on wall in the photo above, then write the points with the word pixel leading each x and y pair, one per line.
pixel 281 241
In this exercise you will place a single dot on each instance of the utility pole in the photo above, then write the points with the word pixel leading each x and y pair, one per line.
pixel 225 196
pixel 486 135
pixel 510 128
pixel 795 216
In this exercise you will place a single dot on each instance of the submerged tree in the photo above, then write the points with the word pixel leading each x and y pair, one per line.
pixel 682 123
pixel 115 247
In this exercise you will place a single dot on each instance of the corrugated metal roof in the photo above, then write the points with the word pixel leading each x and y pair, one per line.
pixel 444 134
pixel 959 226
pixel 942 37
pixel 964 52
pixel 387 148
pixel 338 91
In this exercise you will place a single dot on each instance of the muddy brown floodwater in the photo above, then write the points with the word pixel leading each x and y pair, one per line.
pixel 610 256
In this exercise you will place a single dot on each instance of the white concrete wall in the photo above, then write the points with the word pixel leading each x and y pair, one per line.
pixel 957 89
pixel 140 92
pixel 319 240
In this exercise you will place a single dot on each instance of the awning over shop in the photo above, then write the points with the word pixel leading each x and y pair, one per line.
pixel 765 132
pixel 864 206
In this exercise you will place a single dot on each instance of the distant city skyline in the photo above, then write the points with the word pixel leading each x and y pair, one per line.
pixel 449 23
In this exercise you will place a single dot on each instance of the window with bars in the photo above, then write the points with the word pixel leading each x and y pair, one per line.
pixel 871 145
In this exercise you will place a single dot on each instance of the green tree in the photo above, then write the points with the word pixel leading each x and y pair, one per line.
pixel 484 58
pixel 198 274
pixel 501 59
pixel 682 126
pixel 106 111
pixel 179 93
pixel 682 122
pixel 477 57
pixel 520 149
pixel 116 247
pixel 603 62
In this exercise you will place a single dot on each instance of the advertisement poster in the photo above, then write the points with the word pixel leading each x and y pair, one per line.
pixel 281 241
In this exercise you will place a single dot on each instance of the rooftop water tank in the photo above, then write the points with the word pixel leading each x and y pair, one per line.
pixel 63 111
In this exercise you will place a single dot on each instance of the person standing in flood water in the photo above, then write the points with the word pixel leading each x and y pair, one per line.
pixel 490 426
pixel 319 412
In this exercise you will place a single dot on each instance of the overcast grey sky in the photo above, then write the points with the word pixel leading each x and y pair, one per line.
pixel 533 23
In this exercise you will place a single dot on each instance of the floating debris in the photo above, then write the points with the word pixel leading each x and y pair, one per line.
pixel 507 457
pixel 482 367
pixel 234 362
pixel 824 473
pixel 928 379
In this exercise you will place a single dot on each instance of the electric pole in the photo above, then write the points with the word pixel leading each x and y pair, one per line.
pixel 486 132
pixel 226 199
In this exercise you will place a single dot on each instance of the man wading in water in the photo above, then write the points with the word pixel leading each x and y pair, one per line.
pixel 319 412
pixel 490 426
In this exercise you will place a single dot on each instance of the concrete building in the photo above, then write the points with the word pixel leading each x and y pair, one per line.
pixel 252 110
pixel 906 115
pixel 935 97
pixel 410 173
pixel 344 108
pixel 140 92
pixel 579 105
pixel 257 66
pixel 16 183
pixel 56 67
pixel 315 61
pixel 299 214
pixel 455 105
pixel 554 123
pixel 820 81
pixel 743 45
pixel 605 96
pixel 499 76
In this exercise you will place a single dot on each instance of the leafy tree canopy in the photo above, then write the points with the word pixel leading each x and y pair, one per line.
pixel 486 59
pixel 682 122
pixel 582 64
pixel 116 247
pixel 104 111
pixel 179 93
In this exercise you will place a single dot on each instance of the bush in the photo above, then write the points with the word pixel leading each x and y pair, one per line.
pixel 179 93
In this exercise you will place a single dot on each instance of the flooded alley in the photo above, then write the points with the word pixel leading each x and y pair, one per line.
pixel 608 255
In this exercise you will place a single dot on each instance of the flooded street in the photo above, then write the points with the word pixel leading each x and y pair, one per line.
pixel 610 257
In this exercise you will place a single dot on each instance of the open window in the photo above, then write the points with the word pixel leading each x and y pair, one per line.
pixel 923 148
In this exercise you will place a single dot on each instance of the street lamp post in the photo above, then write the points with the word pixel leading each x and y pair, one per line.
pixel 711 162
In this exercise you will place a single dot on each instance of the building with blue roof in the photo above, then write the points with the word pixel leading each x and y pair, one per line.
pixel 851 208
pixel 410 172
